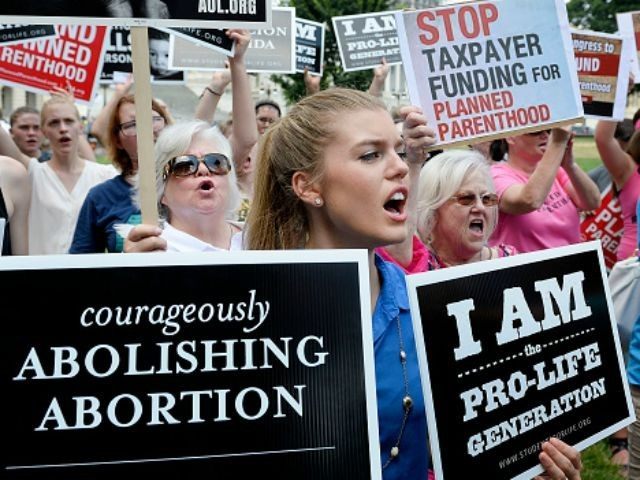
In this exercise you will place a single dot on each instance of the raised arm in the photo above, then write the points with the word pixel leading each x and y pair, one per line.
pixel 379 76
pixel 311 82
pixel 210 97
pixel 14 180
pixel 417 137
pixel 520 199
pixel 9 148
pixel 618 162
pixel 245 130
pixel 582 190
pixel 101 123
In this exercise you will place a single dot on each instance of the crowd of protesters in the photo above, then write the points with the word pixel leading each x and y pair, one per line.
pixel 335 171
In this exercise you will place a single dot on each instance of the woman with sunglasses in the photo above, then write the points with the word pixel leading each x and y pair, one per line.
pixel 111 204
pixel 334 173
pixel 456 213
pixel 540 191
pixel 196 192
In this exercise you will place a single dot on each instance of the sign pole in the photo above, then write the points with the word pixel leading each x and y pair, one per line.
pixel 146 159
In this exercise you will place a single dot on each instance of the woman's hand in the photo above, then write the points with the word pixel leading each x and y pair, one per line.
pixel 241 38
pixel 560 461
pixel 144 238
pixel 416 134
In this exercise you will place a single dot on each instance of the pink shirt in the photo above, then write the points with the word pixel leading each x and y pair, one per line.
pixel 554 224
pixel 628 198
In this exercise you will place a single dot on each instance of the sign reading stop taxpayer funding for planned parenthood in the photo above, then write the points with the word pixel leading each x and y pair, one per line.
pixel 151 13
pixel 481 69
pixel 514 351
pixel 185 366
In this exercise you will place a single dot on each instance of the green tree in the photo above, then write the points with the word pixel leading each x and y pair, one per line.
pixel 598 15
pixel 321 11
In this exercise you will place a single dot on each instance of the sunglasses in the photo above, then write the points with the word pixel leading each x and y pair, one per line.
pixel 539 132
pixel 488 199
pixel 185 165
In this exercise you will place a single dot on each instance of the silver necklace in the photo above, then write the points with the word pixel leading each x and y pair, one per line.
pixel 407 401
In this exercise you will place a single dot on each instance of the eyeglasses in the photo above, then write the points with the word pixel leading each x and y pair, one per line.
pixel 129 129
pixel 539 132
pixel 488 199
pixel 185 165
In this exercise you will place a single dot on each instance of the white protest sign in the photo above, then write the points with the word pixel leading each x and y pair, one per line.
pixel 629 27
pixel 603 70
pixel 484 69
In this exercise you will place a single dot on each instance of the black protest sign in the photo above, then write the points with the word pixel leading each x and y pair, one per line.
pixel 117 57
pixel 17 33
pixel 186 366
pixel 166 13
pixel 364 40
pixel 517 350
pixel 208 37
pixel 309 46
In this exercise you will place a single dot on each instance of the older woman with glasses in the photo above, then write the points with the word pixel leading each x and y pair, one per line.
pixel 455 212
pixel 196 192
pixel 540 190
pixel 109 203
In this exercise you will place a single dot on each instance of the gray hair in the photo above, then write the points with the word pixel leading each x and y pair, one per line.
pixel 441 178
pixel 174 140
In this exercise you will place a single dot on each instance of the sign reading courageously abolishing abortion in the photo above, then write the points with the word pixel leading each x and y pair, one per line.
pixel 516 350
pixel 186 366
pixel 152 13
pixel 73 57
pixel 603 73
pixel 482 69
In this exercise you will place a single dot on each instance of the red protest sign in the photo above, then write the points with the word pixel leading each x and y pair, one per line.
pixel 74 57
pixel 605 224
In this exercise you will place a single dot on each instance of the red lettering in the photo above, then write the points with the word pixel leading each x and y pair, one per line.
pixel 432 35
pixel 443 129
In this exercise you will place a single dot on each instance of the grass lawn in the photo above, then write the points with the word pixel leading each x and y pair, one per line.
pixel 586 153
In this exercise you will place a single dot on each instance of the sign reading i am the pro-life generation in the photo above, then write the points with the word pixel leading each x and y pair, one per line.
pixel 514 351
pixel 150 13
pixel 603 73
pixel 364 40
pixel 270 49
pixel 309 46
pixel 74 57
pixel 486 69
pixel 629 27
pixel 18 33
pixel 186 366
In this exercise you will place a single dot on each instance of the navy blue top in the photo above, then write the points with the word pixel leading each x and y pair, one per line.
pixel 107 203
pixel 393 303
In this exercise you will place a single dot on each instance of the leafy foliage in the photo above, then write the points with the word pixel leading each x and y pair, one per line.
pixel 598 15
pixel 322 11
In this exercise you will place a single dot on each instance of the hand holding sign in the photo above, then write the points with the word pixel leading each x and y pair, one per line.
pixel 560 461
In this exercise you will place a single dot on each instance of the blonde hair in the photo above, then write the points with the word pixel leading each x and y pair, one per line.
pixel 56 100
pixel 441 178
pixel 277 218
